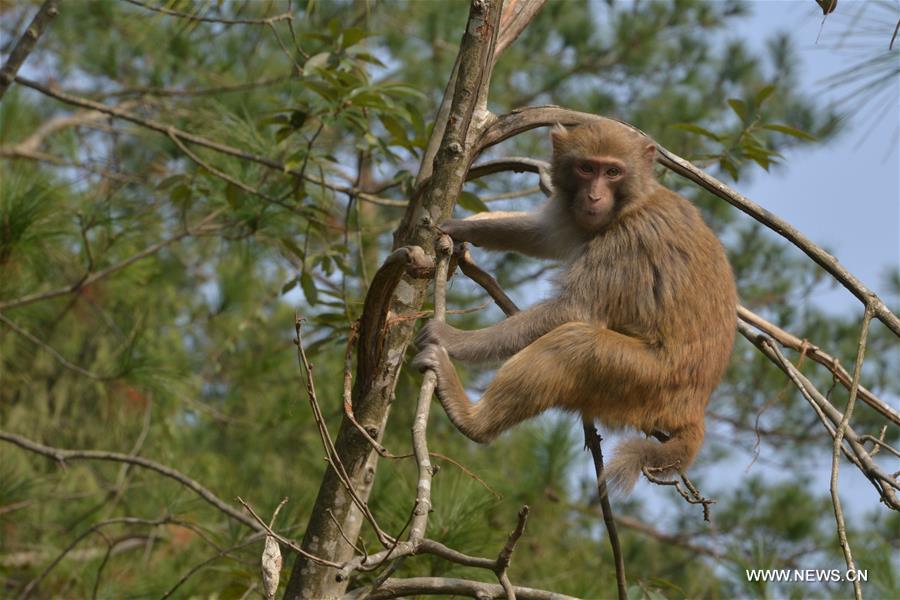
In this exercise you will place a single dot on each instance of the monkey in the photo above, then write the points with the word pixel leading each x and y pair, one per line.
pixel 640 328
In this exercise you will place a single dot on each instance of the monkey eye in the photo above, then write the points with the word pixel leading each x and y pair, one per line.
pixel 586 168
pixel 613 172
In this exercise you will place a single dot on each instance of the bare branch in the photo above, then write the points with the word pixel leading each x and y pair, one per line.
pixel 53 352
pixel 32 144
pixel 95 528
pixel 667 538
pixel 836 451
pixel 251 539
pixel 830 416
pixel 332 456
pixel 446 586
pixel 26 43
pixel 485 280
pixel 61 455
pixel 592 441
pixel 194 17
pixel 516 164
pixel 517 14
pixel 169 130
pixel 91 278
pixel 505 556
pixel 444 247
pixel 817 354
pixel 691 496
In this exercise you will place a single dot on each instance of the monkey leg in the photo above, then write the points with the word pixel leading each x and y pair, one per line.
pixel 567 368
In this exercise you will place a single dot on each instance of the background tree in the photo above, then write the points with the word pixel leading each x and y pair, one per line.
pixel 178 180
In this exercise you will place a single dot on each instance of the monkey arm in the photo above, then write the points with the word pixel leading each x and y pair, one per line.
pixel 499 341
pixel 523 232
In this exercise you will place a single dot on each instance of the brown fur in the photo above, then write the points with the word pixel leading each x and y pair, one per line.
pixel 640 330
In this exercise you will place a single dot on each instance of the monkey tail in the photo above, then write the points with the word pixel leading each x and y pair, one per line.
pixel 665 459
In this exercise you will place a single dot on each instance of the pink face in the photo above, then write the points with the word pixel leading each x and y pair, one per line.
pixel 595 199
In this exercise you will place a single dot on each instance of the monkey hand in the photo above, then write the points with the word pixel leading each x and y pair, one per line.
pixel 441 334
pixel 430 358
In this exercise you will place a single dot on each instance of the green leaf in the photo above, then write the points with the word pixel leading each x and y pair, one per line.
pixel 181 195
pixel 698 130
pixel 402 90
pixel 353 36
pixel 367 57
pixel 309 288
pixel 233 195
pixel 763 94
pixel 170 182
pixel 788 130
pixel 279 119
pixel 395 128
pixel 291 284
pixel 298 118
pixel 314 62
pixel 283 134
pixel 739 107
pixel 293 248
pixel 729 167
pixel 323 89
pixel 471 202
pixel 330 318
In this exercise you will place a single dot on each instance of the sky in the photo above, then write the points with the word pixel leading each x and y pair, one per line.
pixel 844 194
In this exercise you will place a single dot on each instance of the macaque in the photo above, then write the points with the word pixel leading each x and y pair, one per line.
pixel 640 329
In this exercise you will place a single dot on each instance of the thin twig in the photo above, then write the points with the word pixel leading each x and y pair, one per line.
pixel 252 539
pixel 91 278
pixel 331 452
pixel 444 248
pixel 181 15
pixel 485 280
pixel 830 416
pixel 61 456
pixel 836 451
pixel 592 442
pixel 260 523
pixel 505 555
pixel 201 141
pixel 831 363
pixel 53 352
pixel 691 496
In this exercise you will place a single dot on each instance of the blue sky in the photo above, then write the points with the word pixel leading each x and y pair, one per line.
pixel 845 194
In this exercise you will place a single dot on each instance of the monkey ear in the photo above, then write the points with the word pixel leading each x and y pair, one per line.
pixel 649 154
pixel 558 135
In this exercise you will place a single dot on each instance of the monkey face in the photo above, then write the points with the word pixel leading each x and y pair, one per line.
pixel 594 201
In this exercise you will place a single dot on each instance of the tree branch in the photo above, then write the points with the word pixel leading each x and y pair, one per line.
pixel 830 417
pixel 383 341
pixel 181 15
pixel 446 586
pixel 836 451
pixel 423 405
pixel 91 278
pixel 61 455
pixel 26 43
pixel 806 348
pixel 169 130
pixel 592 442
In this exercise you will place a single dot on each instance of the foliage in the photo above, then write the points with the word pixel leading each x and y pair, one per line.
pixel 185 355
